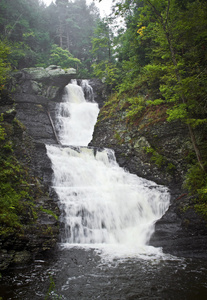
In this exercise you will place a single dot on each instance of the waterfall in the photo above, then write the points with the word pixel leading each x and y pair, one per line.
pixel 76 117
pixel 102 203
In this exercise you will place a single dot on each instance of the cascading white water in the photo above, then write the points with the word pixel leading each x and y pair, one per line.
pixel 102 202
pixel 76 117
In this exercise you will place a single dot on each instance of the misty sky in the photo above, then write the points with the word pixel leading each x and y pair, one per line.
pixel 104 6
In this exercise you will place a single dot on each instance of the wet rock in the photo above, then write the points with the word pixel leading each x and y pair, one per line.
pixel 159 151
pixel 30 127
pixel 181 231
pixel 37 92
pixel 6 258
pixel 22 257
pixel 9 115
pixel 47 82
pixel 100 92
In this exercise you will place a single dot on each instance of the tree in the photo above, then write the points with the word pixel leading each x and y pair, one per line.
pixel 62 58
pixel 172 35
pixel 73 29
pixel 104 66
pixel 166 15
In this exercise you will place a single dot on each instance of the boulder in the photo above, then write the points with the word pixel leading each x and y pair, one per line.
pixel 47 82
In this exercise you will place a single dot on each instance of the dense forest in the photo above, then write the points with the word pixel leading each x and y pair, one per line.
pixel 35 35
pixel 157 58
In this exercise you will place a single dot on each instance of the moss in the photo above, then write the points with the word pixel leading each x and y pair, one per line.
pixel 40 107
pixel 118 137
pixel 171 167
pixel 19 124
pixel 16 201
pixel 157 158
pixel 185 208
pixel 49 212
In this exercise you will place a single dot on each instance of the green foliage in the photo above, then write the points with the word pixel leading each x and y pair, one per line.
pixel 178 112
pixel 15 200
pixel 119 138
pixel 196 183
pixel 110 107
pixel 170 167
pixel 196 179
pixel 2 130
pixel 102 41
pixel 21 55
pixel 4 65
pixel 163 50
pixel 157 158
pixel 155 102
pixel 15 192
pixel 107 72
pixel 136 107
pixel 62 58
pixel 49 212
pixel 104 66
pixel 32 29
pixel 51 294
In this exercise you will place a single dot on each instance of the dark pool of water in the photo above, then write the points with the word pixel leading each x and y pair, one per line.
pixel 81 274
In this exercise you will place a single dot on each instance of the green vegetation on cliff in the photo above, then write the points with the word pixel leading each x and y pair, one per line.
pixel 4 64
pixel 24 202
pixel 161 64
pixel 18 187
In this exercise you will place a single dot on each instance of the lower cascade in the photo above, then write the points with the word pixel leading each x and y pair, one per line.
pixel 101 202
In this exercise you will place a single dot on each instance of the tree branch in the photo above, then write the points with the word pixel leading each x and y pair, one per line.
pixel 167 14
pixel 156 11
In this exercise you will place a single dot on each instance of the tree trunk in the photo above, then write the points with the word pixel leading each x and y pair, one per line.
pixel 68 41
pixel 61 33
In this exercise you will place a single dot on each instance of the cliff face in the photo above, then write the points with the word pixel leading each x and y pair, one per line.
pixel 160 151
pixel 27 116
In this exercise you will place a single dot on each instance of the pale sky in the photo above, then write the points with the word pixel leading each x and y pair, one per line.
pixel 104 6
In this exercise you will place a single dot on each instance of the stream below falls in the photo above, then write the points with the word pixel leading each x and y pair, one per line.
pixel 108 216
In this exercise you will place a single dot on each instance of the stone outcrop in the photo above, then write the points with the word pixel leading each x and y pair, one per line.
pixel 99 90
pixel 36 91
pixel 100 93
pixel 47 82
pixel 159 151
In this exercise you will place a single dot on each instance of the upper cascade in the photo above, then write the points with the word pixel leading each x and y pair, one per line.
pixel 76 117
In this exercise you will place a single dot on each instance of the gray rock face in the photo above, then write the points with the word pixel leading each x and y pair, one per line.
pixel 99 90
pixel 158 151
pixel 47 82
pixel 37 91
pixel 154 153
pixel 181 232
